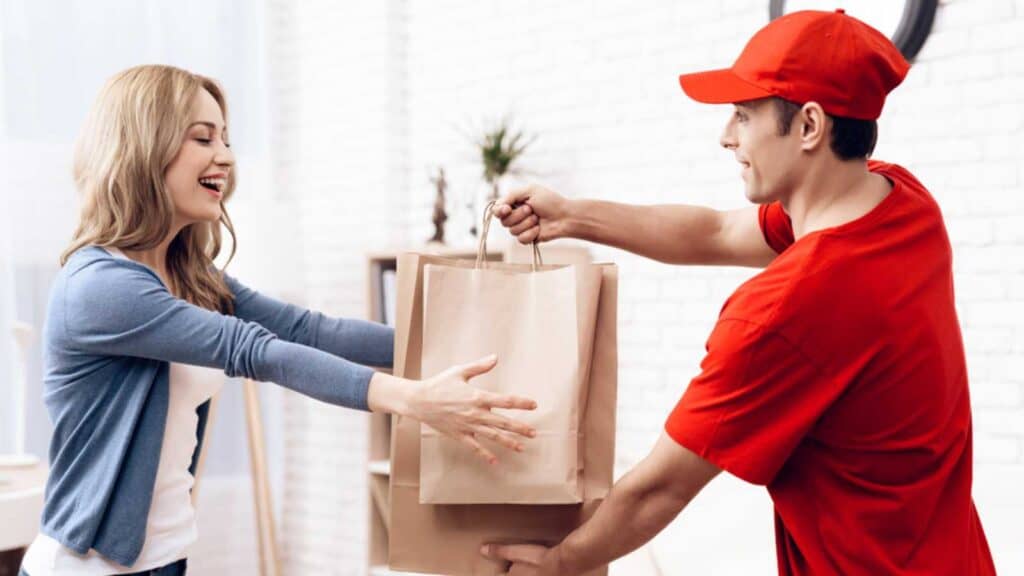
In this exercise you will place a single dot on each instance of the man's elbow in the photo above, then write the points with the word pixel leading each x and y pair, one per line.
pixel 657 509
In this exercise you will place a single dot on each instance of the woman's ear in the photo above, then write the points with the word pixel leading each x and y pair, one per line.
pixel 815 126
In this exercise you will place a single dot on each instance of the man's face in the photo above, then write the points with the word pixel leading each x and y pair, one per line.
pixel 768 158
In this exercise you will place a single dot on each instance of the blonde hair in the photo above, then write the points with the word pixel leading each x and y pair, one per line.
pixel 132 134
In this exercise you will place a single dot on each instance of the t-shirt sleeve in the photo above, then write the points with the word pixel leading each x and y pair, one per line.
pixel 756 398
pixel 776 226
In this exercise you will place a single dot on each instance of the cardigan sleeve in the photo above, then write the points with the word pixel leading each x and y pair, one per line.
pixel 364 342
pixel 121 308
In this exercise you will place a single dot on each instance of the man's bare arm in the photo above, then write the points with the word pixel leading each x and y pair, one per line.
pixel 638 507
pixel 675 234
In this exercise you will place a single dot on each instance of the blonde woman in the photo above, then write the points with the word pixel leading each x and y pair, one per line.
pixel 142 328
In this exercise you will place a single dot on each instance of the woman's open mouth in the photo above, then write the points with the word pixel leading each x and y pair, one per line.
pixel 214 185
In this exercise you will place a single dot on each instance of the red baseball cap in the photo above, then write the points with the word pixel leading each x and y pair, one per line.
pixel 826 57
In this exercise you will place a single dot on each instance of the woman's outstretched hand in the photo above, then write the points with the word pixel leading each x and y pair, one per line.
pixel 450 405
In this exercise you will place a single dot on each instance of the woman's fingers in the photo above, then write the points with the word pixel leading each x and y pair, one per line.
pixel 467 411
pixel 508 424
pixel 499 437
pixel 481 366
pixel 482 452
pixel 492 400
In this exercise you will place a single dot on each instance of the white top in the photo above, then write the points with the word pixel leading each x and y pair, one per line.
pixel 171 524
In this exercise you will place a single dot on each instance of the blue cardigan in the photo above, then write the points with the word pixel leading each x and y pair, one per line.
pixel 111 329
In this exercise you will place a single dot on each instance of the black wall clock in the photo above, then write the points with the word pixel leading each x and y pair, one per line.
pixel 907 22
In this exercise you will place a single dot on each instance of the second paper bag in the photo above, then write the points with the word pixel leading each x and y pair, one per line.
pixel 541 325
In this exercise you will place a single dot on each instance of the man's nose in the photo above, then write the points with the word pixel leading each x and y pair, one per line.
pixel 728 137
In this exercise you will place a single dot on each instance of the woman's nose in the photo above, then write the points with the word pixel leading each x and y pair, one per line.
pixel 224 157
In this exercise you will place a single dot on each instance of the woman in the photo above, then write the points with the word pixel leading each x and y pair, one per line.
pixel 141 328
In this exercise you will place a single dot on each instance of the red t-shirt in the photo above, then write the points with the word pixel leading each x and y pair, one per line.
pixel 836 377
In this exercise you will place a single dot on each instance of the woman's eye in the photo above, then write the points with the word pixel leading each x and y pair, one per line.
pixel 203 140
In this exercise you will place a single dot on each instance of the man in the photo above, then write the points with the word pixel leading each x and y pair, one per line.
pixel 836 376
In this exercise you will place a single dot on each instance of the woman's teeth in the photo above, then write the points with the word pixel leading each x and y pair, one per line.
pixel 216 184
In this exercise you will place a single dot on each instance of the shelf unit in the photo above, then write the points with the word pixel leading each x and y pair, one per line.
pixel 378 465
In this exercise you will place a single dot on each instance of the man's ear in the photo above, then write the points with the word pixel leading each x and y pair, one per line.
pixel 815 126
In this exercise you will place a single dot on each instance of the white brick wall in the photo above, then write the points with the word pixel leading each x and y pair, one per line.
pixel 379 94
pixel 338 137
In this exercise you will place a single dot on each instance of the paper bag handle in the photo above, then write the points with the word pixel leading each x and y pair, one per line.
pixel 481 253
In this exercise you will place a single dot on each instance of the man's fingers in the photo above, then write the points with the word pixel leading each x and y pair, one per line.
pixel 492 400
pixel 517 196
pixel 482 452
pixel 515 215
pixel 525 553
pixel 481 366
pixel 530 222
pixel 530 236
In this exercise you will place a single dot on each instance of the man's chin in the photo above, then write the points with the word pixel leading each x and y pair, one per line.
pixel 759 196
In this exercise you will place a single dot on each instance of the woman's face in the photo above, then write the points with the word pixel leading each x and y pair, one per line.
pixel 198 175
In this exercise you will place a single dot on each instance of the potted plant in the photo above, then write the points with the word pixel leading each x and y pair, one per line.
pixel 500 148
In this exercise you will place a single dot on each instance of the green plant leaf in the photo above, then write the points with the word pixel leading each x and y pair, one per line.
pixel 500 147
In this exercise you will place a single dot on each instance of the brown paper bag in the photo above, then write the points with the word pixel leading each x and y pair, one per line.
pixel 445 539
pixel 541 325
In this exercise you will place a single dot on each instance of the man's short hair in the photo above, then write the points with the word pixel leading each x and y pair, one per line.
pixel 851 139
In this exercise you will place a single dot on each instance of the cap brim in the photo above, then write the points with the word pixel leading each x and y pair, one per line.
pixel 720 87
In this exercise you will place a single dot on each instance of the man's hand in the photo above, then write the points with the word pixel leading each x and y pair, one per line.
pixel 534 214
pixel 526 559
